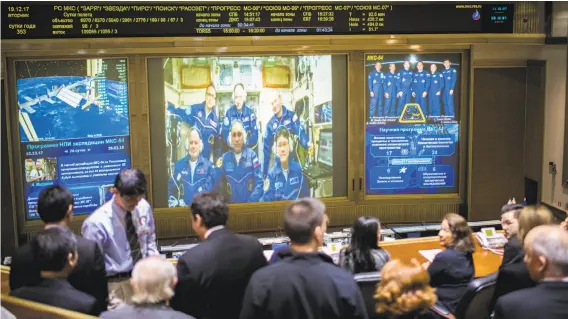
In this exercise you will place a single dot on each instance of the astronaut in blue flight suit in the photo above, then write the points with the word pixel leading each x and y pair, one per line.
pixel 435 92
pixel 450 78
pixel 375 83
pixel 240 111
pixel 420 85
pixel 240 168
pixel 282 118
pixel 285 180
pixel 203 116
pixel 192 174
pixel 389 87
pixel 404 86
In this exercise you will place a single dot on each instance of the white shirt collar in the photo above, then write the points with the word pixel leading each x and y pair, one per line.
pixel 565 279
pixel 212 229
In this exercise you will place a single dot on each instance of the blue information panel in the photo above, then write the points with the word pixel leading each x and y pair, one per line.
pixel 412 130
pixel 74 128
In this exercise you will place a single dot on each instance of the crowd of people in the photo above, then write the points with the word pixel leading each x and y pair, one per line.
pixel 114 269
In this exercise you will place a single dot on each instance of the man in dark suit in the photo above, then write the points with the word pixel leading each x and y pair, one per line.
pixel 55 208
pixel 214 274
pixel 513 249
pixel 304 284
pixel 546 249
pixel 513 273
pixel 55 252
pixel 153 281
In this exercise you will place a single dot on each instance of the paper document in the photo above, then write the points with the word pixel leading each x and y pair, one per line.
pixel 430 254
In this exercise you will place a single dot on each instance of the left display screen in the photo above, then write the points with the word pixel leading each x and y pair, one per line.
pixel 74 128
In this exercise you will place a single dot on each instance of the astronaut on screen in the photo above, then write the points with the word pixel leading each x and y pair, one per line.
pixel 192 174
pixel 282 117
pixel 203 116
pixel 285 180
pixel 243 113
pixel 239 169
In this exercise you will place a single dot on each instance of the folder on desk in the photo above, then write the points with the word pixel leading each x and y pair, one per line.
pixel 430 253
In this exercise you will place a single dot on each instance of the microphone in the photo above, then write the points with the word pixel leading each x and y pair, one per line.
pixel 393 230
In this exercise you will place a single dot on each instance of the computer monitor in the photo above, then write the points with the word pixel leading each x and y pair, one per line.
pixel 325 152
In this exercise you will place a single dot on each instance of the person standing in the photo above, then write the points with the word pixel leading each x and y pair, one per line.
pixel 375 83
pixel 124 230
pixel 420 86
pixel 450 78
pixel 404 85
pixel 214 274
pixel 435 91
pixel 389 86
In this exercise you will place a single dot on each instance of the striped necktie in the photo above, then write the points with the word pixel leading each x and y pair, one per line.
pixel 132 238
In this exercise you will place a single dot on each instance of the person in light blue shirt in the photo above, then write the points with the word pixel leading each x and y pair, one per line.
pixel 125 232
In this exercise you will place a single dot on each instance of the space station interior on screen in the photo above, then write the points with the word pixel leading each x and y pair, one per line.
pixel 411 91
pixel 88 96
pixel 254 128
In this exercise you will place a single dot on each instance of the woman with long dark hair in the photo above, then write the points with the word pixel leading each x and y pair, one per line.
pixel 364 253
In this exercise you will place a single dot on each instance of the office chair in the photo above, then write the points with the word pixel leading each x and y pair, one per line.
pixel 475 304
pixel 367 283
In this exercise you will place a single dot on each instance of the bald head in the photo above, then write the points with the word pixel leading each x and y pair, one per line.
pixel 153 280
pixel 546 252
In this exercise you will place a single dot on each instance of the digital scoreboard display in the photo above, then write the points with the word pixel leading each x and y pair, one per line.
pixel 45 20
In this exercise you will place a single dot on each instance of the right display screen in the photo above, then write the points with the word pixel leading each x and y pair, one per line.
pixel 412 129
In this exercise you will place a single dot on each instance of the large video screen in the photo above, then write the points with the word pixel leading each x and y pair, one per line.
pixel 74 128
pixel 412 130
pixel 256 129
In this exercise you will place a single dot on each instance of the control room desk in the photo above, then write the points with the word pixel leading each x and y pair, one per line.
pixel 486 262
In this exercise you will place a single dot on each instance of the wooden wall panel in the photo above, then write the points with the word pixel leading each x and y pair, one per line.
pixel 497 168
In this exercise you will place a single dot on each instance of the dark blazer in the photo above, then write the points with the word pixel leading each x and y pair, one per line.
pixel 450 273
pixel 212 277
pixel 513 274
pixel 89 275
pixel 549 299
pixel 303 286
pixel 59 293
pixel 513 250
pixel 150 311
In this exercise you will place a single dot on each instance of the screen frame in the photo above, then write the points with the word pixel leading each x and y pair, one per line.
pixel 463 130
pixel 239 208
pixel 25 225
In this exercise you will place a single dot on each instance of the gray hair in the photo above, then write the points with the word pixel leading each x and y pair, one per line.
pixel 551 242
pixel 152 280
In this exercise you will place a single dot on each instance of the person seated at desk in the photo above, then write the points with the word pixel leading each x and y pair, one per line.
pixel 153 281
pixel 404 291
pixel 364 253
pixel 55 252
pixel 546 249
pixel 305 284
pixel 513 249
pixel 452 270
pixel 515 275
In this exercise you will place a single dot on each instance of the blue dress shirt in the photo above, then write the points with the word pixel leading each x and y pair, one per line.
pixel 106 226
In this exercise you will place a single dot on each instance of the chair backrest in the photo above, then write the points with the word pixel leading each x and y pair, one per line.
pixel 367 283
pixel 33 310
pixel 5 279
pixel 475 304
